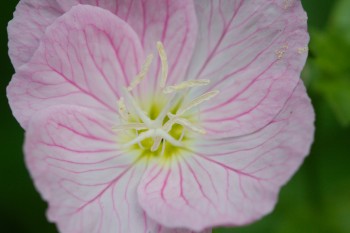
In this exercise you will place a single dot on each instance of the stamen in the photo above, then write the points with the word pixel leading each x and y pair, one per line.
pixel 142 73
pixel 163 149
pixel 156 143
pixel 122 109
pixel 168 138
pixel 182 135
pixel 205 97
pixel 164 61
pixel 174 119
pixel 166 127
pixel 186 84
pixel 159 129
pixel 138 110
pixel 137 126
pixel 139 143
pixel 142 136
pixel 169 124
pixel 187 124
pixel 166 109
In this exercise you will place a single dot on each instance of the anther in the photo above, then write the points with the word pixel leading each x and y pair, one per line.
pixel 164 61
pixel 123 112
pixel 142 73
pixel 157 129
pixel 205 97
pixel 186 84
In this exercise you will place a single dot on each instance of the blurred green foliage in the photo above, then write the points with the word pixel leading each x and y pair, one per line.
pixel 330 66
pixel 317 199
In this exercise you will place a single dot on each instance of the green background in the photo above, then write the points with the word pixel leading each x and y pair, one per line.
pixel 317 199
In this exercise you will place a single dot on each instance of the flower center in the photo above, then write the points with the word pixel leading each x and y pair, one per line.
pixel 167 124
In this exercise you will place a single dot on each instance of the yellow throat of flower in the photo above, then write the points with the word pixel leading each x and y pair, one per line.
pixel 169 124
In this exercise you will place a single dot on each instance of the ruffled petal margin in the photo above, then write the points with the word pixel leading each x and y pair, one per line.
pixel 173 23
pixel 84 59
pixel 89 184
pixel 253 53
pixel 30 21
pixel 231 181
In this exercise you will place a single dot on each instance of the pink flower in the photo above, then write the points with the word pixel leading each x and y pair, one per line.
pixel 160 116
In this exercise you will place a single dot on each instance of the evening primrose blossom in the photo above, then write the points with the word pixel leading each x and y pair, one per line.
pixel 160 116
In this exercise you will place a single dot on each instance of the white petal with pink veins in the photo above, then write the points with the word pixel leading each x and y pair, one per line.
pixel 72 156
pixel 172 22
pixel 85 58
pixel 250 50
pixel 31 19
pixel 89 184
pixel 231 181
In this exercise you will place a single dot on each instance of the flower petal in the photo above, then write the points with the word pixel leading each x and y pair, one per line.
pixel 162 229
pixel 253 52
pixel 231 181
pixel 89 184
pixel 171 22
pixel 73 158
pixel 85 58
pixel 28 26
